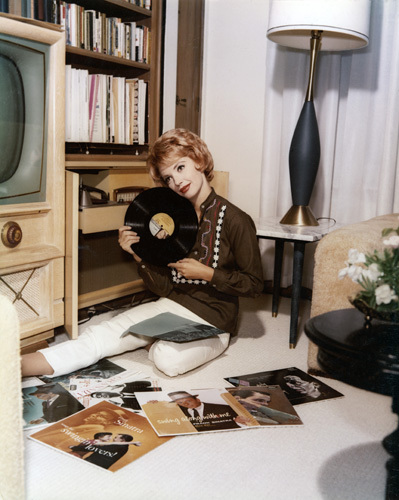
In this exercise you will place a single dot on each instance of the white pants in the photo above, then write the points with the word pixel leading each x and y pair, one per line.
pixel 103 340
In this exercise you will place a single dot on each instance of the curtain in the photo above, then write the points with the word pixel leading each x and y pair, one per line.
pixel 356 97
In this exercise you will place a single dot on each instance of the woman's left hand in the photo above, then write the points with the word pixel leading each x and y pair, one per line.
pixel 191 269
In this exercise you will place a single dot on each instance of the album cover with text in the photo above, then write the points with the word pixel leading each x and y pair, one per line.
pixel 103 435
pixel 188 412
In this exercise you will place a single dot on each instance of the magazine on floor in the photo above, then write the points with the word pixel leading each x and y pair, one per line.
pixel 47 403
pixel 267 404
pixel 103 435
pixel 298 386
pixel 171 327
pixel 190 411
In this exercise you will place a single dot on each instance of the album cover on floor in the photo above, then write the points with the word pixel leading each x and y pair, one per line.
pixel 192 411
pixel 267 404
pixel 298 386
pixel 118 392
pixel 172 327
pixel 103 369
pixel 103 435
pixel 47 403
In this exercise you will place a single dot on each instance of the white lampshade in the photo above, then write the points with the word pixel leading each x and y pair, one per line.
pixel 345 23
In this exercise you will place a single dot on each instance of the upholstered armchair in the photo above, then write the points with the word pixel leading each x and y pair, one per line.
pixel 329 292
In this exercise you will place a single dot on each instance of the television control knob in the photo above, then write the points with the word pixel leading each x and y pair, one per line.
pixel 11 234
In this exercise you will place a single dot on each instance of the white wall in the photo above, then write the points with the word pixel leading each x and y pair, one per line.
pixel 233 93
pixel 233 90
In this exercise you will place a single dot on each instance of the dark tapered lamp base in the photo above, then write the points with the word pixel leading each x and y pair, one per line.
pixel 299 215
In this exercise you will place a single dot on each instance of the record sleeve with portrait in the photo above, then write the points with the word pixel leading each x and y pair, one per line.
pixel 166 223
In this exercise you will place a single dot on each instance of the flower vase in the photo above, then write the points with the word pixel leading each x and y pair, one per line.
pixel 370 313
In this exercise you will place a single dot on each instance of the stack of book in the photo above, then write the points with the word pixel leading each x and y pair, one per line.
pixel 104 108
pixel 92 30
pixel 42 10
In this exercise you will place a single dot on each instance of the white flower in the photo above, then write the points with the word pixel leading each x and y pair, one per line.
pixel 384 295
pixel 356 257
pixel 355 273
pixel 392 241
pixel 372 273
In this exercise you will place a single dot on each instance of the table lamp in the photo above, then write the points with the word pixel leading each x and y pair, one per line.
pixel 330 25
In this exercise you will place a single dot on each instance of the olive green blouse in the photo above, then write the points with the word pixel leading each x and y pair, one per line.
pixel 226 240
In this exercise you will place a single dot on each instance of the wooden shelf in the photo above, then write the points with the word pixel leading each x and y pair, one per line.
pixel 105 162
pixel 108 167
pixel 102 62
pixel 117 8
pixel 105 151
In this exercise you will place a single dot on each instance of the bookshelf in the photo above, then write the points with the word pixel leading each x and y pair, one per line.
pixel 60 238
pixel 96 269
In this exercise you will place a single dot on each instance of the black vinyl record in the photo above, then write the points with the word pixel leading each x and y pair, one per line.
pixel 166 223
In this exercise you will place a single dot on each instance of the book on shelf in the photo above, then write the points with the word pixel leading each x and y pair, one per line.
pixel 92 30
pixel 173 328
pixel 145 4
pixel 103 436
pixel 194 410
pixel 298 386
pixel 41 10
pixel 104 108
pixel 267 404
pixel 142 111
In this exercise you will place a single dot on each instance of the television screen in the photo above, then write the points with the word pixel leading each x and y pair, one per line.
pixel 24 66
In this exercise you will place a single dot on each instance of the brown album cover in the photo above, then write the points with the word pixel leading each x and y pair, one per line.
pixel 103 435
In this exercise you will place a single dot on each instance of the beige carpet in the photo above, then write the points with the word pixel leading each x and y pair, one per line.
pixel 336 454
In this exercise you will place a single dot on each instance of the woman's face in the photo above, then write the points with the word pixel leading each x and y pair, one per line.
pixel 186 179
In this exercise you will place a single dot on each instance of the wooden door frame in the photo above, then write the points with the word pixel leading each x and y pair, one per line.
pixel 189 64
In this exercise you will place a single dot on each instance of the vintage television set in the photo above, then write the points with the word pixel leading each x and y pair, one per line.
pixel 32 173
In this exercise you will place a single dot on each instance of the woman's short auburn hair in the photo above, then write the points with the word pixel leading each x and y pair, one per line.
pixel 175 144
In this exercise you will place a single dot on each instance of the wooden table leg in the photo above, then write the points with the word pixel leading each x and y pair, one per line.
pixel 278 261
pixel 299 253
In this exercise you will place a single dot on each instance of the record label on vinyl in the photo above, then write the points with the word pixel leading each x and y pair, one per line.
pixel 166 223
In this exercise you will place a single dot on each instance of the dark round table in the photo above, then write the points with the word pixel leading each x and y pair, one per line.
pixel 366 356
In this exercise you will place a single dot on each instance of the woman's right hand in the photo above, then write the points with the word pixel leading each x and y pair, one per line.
pixel 126 239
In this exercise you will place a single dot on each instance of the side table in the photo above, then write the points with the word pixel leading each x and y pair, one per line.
pixel 365 356
pixel 270 228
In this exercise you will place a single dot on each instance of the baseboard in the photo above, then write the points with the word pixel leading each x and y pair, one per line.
pixel 306 293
